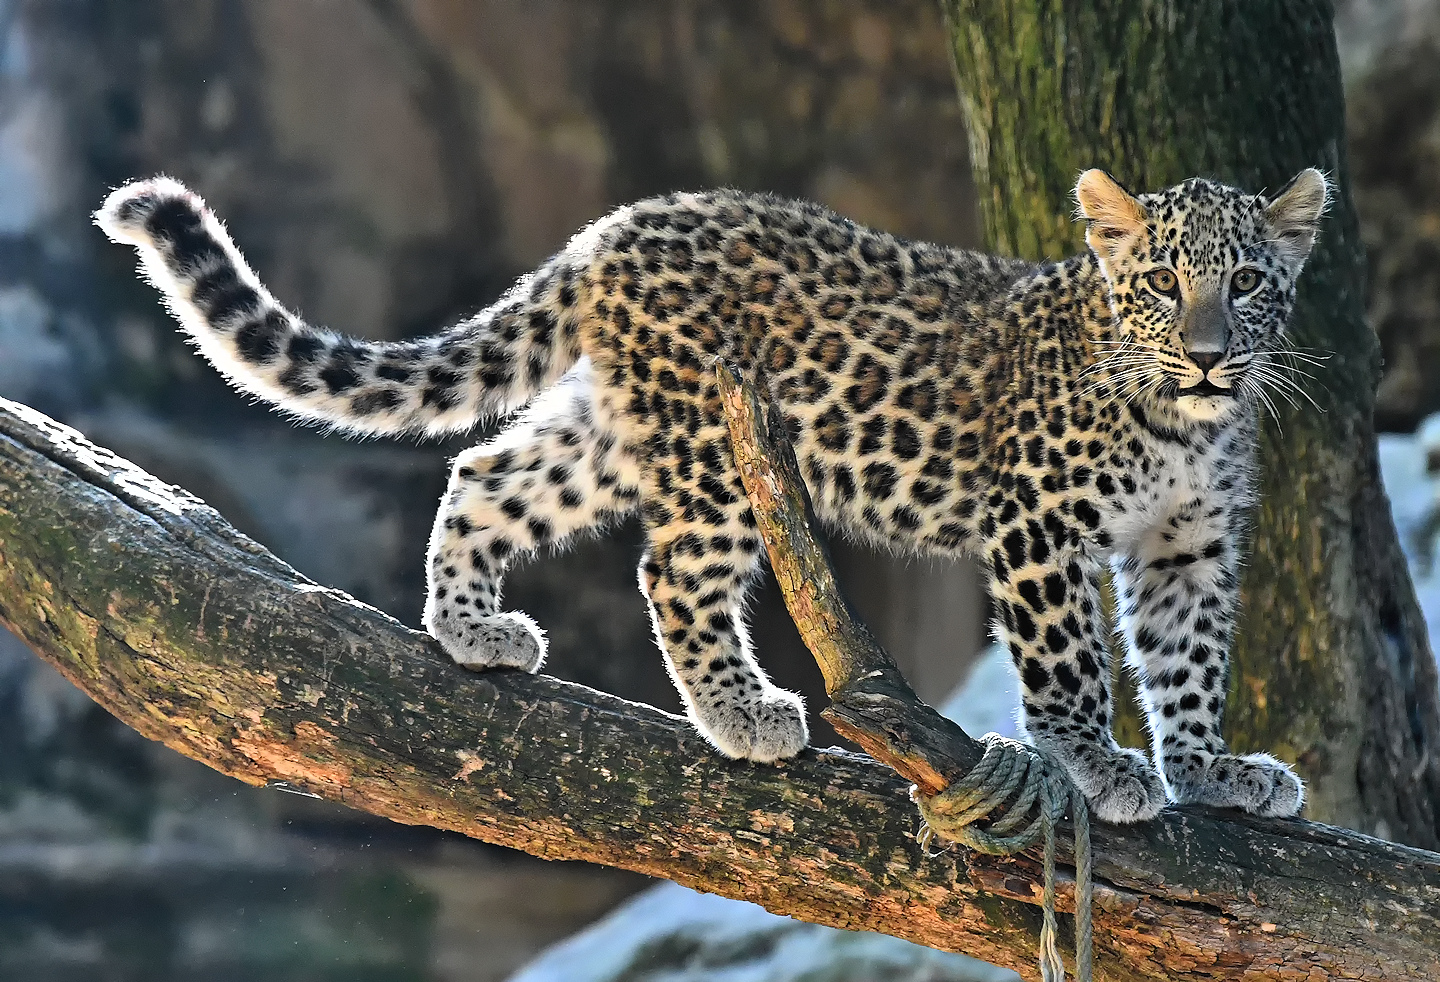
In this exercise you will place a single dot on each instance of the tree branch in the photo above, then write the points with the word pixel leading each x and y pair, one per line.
pixel 196 636
pixel 871 702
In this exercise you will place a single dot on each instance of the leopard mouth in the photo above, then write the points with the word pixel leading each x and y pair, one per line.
pixel 1207 388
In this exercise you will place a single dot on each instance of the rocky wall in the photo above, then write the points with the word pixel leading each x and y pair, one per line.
pixel 389 165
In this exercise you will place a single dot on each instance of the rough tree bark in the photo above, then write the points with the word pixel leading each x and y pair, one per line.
pixel 1333 669
pixel 196 636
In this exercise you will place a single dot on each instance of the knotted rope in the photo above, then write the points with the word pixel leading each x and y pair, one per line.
pixel 1042 791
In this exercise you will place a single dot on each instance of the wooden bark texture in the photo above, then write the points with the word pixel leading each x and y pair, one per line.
pixel 196 636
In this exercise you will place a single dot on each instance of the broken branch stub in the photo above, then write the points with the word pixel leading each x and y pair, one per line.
pixel 871 703
pixel 1006 807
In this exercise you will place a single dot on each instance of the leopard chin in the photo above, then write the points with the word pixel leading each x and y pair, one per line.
pixel 1207 408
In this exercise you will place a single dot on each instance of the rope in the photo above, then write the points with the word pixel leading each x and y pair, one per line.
pixel 1042 792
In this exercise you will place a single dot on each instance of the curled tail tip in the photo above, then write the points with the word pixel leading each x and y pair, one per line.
pixel 127 212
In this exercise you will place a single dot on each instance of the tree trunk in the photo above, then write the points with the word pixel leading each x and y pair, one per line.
pixel 196 636
pixel 1332 667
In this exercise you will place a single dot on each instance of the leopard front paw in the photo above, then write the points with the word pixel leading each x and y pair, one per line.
pixel 1126 788
pixel 1256 783
pixel 1120 784
pixel 480 641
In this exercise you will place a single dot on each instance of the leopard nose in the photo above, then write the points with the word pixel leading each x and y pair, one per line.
pixel 1206 360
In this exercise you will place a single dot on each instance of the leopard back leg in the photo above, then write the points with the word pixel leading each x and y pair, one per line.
pixel 556 470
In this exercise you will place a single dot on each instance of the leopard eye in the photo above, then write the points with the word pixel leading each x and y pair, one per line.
pixel 1163 281
pixel 1244 281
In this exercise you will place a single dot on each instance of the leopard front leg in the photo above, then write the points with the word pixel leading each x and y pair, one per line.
pixel 1178 591
pixel 1050 616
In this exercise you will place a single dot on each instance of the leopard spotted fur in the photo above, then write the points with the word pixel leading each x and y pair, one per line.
pixel 1046 419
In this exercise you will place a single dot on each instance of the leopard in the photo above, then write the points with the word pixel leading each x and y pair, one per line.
pixel 1058 422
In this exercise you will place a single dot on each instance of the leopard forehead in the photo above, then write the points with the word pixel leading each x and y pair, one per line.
pixel 1203 229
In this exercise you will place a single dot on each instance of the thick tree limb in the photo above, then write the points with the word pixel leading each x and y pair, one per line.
pixel 198 637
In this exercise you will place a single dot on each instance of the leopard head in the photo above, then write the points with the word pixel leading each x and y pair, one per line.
pixel 1202 281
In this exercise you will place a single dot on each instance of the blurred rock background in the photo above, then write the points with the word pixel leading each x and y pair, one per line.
pixel 1390 53
pixel 389 165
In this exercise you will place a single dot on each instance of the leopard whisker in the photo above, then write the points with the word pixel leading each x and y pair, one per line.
pixel 1251 387
pixel 1116 362
pixel 1261 378
pixel 1280 381
pixel 1120 382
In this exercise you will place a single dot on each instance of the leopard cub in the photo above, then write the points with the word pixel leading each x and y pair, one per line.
pixel 1049 420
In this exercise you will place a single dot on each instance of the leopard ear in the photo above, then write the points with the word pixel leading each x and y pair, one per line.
pixel 1114 214
pixel 1294 216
